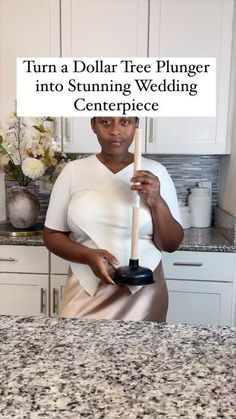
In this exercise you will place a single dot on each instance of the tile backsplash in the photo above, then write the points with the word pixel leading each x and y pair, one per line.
pixel 185 170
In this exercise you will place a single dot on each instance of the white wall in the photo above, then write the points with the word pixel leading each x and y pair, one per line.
pixel 227 198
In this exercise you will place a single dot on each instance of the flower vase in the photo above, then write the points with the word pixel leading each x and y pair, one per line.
pixel 23 207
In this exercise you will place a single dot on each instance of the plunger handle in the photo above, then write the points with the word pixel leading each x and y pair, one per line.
pixel 136 197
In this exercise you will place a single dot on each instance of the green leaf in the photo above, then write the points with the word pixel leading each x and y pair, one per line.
pixel 49 119
pixel 1 139
pixel 39 128
pixel 14 171
pixel 47 159
pixel 2 150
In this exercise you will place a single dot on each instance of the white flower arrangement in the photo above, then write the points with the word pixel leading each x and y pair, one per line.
pixel 33 168
pixel 27 148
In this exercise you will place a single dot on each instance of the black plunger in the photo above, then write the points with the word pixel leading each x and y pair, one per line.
pixel 134 274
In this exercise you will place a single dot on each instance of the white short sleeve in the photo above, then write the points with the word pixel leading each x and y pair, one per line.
pixel 56 217
pixel 168 191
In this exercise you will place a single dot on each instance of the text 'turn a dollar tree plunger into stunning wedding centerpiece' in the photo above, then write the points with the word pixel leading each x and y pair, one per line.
pixel 27 152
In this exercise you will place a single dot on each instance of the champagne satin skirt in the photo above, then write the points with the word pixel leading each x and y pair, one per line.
pixel 114 302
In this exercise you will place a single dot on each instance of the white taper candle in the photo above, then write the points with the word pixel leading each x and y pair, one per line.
pixel 136 197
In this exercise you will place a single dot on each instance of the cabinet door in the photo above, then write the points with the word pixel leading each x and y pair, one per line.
pixel 197 302
pixel 23 294
pixel 59 270
pixel 193 28
pixel 27 29
pixel 58 283
pixel 58 265
pixel 104 28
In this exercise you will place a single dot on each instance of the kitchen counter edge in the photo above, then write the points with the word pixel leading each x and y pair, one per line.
pixel 195 239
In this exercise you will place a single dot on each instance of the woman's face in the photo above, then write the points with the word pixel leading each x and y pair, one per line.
pixel 114 134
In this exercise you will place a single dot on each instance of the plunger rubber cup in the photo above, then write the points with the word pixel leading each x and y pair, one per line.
pixel 133 274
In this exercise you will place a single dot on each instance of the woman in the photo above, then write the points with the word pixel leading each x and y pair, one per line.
pixel 89 223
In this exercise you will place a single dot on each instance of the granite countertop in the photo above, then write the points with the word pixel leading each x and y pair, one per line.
pixel 195 239
pixel 206 239
pixel 70 368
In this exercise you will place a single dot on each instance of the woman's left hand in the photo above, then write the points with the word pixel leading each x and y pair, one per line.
pixel 148 186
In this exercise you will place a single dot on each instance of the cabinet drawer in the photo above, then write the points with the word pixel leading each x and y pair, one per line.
pixel 202 266
pixel 33 259
pixel 58 265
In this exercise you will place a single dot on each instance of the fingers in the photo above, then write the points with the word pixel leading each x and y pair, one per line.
pixel 147 185
pixel 104 274
pixel 144 173
pixel 111 263
pixel 144 177
pixel 105 266
pixel 112 260
pixel 144 187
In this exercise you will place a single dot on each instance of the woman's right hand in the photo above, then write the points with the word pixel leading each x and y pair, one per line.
pixel 103 264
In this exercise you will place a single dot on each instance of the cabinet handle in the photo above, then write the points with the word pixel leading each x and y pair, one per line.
pixel 56 123
pixel 67 130
pixel 151 131
pixel 42 300
pixel 55 301
pixel 188 264
pixel 8 259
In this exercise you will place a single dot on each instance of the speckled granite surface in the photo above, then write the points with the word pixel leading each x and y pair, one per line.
pixel 60 368
pixel 206 239
pixel 195 239
pixel 25 241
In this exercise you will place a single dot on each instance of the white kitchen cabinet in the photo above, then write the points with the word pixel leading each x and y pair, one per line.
pixel 181 28
pixel 58 275
pixel 124 28
pixel 58 265
pixel 27 29
pixel 201 287
pixel 58 283
pixel 104 28
pixel 23 294
pixel 24 280
pixel 198 302
pixel 27 285
pixel 193 28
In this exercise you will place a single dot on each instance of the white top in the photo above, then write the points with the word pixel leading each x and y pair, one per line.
pixel 95 205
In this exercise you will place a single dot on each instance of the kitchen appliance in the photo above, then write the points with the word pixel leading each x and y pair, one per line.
pixel 133 274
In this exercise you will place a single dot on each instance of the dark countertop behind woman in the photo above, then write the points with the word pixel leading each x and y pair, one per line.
pixel 58 368
pixel 195 239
